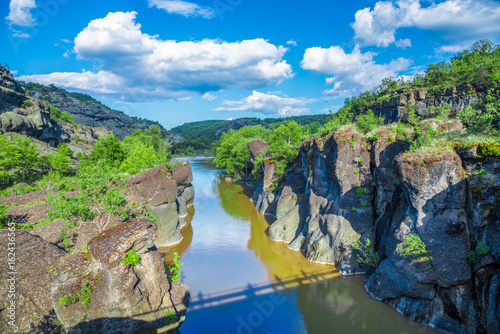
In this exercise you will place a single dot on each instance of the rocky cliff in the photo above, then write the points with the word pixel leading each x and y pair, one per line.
pixel 29 116
pixel 425 102
pixel 88 111
pixel 89 292
pixel 92 290
pixel 345 188
pixel 167 193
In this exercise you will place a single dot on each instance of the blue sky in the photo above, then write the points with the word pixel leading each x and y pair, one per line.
pixel 179 61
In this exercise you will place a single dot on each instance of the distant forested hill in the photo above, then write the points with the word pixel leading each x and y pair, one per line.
pixel 213 129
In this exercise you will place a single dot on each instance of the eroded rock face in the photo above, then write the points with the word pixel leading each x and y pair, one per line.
pixel 318 208
pixel 425 102
pixel 167 194
pixel 34 257
pixel 125 298
pixel 31 117
pixel 345 187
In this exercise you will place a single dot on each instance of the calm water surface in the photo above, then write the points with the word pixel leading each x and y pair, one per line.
pixel 241 282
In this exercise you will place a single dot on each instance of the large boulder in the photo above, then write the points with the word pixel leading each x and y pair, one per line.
pixel 257 147
pixel 124 298
pixel 25 292
pixel 155 186
pixel 167 194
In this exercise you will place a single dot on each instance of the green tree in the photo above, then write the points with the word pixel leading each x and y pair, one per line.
pixel 60 162
pixel 139 156
pixel 25 158
pixel 109 150
pixel 283 145
pixel 232 150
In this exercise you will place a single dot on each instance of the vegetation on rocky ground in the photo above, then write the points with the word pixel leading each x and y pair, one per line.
pixel 97 180
pixel 478 65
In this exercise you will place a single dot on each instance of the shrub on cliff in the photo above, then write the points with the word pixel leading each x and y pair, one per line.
pixel 58 115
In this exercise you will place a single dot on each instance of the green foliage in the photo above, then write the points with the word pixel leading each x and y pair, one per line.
pixel 19 160
pixel 368 122
pixel 132 258
pixel 175 270
pixel 142 150
pixel 109 150
pixel 170 317
pixel 413 248
pixel 27 103
pixel 58 115
pixel 283 145
pixel 98 194
pixel 362 191
pixel 368 255
pixel 60 162
pixel 481 250
pixel 84 297
pixel 358 160
pixel 232 150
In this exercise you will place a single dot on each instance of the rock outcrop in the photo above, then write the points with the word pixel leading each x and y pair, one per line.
pixel 345 187
pixel 25 304
pixel 88 111
pixel 114 297
pixel 166 193
pixel 29 116
pixel 425 102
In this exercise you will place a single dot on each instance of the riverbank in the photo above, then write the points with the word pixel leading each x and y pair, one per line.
pixel 240 280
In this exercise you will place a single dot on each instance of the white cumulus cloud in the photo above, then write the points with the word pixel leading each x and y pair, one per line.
pixel 403 43
pixel 183 8
pixel 350 73
pixel 453 19
pixel 20 12
pixel 268 104
pixel 145 66
pixel 209 97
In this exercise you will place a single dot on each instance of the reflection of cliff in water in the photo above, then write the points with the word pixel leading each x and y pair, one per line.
pixel 187 237
pixel 343 306
pixel 234 199
pixel 281 262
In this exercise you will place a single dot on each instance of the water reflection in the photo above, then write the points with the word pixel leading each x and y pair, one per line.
pixel 242 282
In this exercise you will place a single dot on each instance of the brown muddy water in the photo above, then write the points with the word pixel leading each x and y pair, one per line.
pixel 241 282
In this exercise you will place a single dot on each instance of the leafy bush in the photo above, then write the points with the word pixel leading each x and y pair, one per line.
pixel 132 258
pixel 109 150
pixel 98 196
pixel 84 297
pixel 232 150
pixel 368 255
pixel 362 191
pixel 19 160
pixel 368 122
pixel 170 317
pixel 58 115
pixel 60 162
pixel 413 248
pixel 175 270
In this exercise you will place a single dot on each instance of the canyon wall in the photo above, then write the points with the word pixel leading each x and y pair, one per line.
pixel 345 188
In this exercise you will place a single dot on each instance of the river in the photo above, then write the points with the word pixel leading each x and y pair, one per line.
pixel 241 282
